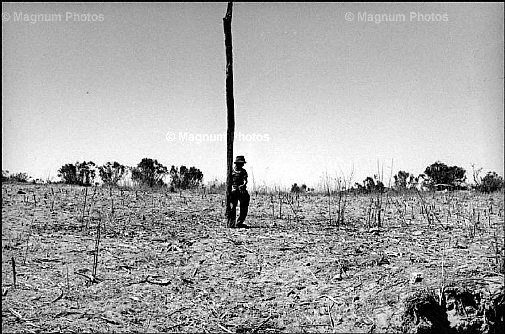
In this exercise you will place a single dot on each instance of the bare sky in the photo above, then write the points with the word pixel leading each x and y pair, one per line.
pixel 326 87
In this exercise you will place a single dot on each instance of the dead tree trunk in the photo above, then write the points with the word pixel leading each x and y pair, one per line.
pixel 230 215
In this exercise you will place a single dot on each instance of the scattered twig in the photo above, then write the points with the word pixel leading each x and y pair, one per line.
pixel 91 279
pixel 27 242
pixel 162 282
pixel 176 325
pixel 329 297
pixel 68 281
pixel 260 325
pixel 328 309
pixel 59 297
pixel 177 311
pixel 225 329
pixel 17 314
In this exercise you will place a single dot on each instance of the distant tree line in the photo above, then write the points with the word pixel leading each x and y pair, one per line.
pixel 18 177
pixel 148 172
pixel 437 176
pixel 151 173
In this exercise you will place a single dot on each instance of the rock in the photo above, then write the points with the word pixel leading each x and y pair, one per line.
pixel 338 277
pixel 416 277
pixel 374 230
pixel 382 321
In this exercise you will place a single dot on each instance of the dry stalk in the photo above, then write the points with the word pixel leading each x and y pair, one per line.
pixel 97 244
pixel 13 272
pixel 84 207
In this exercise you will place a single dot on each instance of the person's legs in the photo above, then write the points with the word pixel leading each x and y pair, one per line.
pixel 244 207
pixel 233 211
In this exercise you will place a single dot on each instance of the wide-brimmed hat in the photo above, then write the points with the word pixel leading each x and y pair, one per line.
pixel 240 158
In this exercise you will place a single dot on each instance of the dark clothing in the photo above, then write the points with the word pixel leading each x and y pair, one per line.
pixel 238 193
pixel 243 197
pixel 238 178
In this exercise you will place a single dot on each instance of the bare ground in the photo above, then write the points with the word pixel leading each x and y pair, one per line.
pixel 166 263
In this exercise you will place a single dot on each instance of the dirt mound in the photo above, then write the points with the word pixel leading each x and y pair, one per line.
pixel 424 314
pixel 456 310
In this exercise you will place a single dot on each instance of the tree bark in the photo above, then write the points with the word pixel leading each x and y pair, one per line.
pixel 230 216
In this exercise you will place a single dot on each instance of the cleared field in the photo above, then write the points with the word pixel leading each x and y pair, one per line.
pixel 165 262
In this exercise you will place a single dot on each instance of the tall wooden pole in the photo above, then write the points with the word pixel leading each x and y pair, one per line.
pixel 231 112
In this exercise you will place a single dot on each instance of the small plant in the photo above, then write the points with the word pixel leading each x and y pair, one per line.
pixel 342 185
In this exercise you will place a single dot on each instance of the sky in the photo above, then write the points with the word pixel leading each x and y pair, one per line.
pixel 320 88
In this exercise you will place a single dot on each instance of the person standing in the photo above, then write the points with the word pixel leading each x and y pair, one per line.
pixel 239 192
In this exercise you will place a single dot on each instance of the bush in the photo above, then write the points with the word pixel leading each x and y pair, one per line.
pixel 149 172
pixel 491 182
pixel 184 178
pixel 86 173
pixel 19 177
pixel 82 174
pixel 403 180
pixel 371 186
pixel 68 173
pixel 439 173
pixel 111 173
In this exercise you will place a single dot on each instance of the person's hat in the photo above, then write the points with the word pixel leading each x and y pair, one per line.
pixel 240 158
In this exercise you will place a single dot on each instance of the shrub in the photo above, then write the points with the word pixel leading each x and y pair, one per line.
pixel 491 182
pixel 439 173
pixel 403 180
pixel 111 173
pixel 370 185
pixel 82 173
pixel 68 173
pixel 149 172
pixel 184 178
pixel 86 173
pixel 18 177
